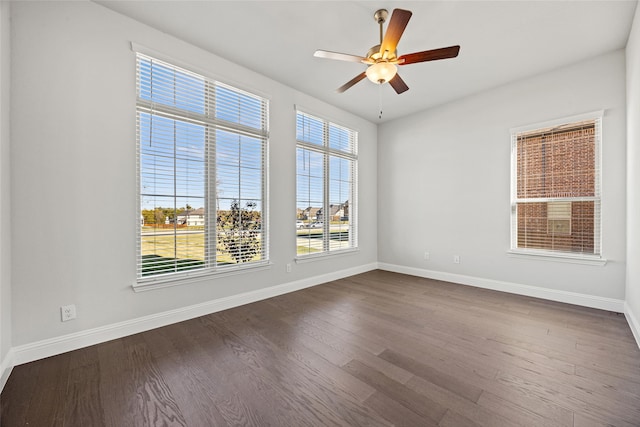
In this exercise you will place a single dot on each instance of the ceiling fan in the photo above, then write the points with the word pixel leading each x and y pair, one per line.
pixel 383 59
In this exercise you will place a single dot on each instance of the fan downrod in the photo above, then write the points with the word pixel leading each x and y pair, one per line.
pixel 381 16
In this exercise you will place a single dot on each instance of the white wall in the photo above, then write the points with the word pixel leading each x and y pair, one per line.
pixel 5 190
pixel 633 177
pixel 74 173
pixel 444 184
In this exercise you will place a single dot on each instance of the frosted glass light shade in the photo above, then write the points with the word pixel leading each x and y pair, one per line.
pixel 381 72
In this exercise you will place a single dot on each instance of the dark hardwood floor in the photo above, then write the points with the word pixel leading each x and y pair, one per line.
pixel 375 349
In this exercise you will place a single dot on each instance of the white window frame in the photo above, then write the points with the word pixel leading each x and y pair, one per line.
pixel 327 152
pixel 211 124
pixel 563 256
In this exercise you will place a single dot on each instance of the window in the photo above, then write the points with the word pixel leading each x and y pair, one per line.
pixel 201 172
pixel 556 189
pixel 326 201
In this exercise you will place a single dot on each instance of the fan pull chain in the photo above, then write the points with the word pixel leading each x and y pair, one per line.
pixel 380 101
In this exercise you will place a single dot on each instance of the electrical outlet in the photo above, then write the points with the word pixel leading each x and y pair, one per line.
pixel 288 268
pixel 426 256
pixel 456 259
pixel 68 312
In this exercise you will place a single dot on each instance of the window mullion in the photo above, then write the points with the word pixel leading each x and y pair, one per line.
pixel 211 232
pixel 175 200
pixel 326 219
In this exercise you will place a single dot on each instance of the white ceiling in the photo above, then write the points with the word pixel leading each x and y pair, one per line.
pixel 501 41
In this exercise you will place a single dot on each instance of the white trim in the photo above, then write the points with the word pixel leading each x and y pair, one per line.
pixel 177 279
pixel 316 114
pixel 556 122
pixel 315 256
pixel 632 320
pixel 57 345
pixel 6 366
pixel 585 300
pixel 557 257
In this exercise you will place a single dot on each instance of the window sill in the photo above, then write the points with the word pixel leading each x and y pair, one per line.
pixel 169 281
pixel 554 257
pixel 324 255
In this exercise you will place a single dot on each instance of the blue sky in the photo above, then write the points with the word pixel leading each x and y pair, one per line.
pixel 310 163
pixel 173 151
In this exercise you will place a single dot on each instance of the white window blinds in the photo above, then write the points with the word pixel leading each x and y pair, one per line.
pixel 202 171
pixel 326 196
pixel 556 188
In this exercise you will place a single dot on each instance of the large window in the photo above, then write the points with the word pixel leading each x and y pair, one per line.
pixel 326 201
pixel 556 188
pixel 201 174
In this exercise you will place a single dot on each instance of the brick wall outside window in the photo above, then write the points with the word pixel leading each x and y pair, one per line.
pixel 557 165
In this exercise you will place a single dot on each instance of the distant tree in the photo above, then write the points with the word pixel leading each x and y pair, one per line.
pixel 148 216
pixel 239 231
pixel 169 213
pixel 159 216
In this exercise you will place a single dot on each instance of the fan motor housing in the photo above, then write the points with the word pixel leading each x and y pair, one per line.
pixel 374 53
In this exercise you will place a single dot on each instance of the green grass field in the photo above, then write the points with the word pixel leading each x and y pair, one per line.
pixel 167 253
pixel 180 246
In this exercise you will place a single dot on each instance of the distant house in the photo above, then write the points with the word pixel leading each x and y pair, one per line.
pixel 337 212
pixel 191 217
pixel 311 213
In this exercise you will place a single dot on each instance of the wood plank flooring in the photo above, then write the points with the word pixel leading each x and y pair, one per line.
pixel 376 349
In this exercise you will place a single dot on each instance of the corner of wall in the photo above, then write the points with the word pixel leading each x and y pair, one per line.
pixel 632 285
pixel 6 359
pixel 632 320
pixel 6 366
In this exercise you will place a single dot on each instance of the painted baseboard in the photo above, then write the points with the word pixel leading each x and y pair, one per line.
pixel 633 322
pixel 592 301
pixel 6 366
pixel 50 347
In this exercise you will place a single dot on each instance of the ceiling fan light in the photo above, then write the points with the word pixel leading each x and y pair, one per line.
pixel 381 72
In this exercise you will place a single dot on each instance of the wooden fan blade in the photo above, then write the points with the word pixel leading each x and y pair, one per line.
pixel 338 56
pixel 398 84
pixel 351 82
pixel 429 55
pixel 397 24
